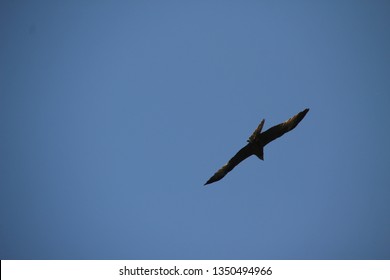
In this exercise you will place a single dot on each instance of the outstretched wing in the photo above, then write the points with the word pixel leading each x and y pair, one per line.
pixel 280 129
pixel 257 132
pixel 233 162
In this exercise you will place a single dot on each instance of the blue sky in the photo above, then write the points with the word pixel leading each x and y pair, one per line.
pixel 113 114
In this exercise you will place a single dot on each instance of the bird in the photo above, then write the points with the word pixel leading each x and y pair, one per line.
pixel 256 143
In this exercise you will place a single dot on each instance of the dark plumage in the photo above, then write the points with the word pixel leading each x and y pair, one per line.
pixel 256 143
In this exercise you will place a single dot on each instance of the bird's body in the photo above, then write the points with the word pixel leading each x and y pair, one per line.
pixel 256 143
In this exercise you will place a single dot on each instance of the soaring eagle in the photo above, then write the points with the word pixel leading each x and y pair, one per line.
pixel 256 143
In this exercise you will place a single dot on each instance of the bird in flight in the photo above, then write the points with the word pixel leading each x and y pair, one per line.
pixel 256 143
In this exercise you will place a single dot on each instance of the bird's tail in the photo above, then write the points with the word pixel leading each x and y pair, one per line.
pixel 259 152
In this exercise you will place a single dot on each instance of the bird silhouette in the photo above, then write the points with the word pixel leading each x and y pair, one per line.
pixel 256 143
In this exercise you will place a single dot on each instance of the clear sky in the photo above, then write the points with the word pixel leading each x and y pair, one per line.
pixel 113 114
